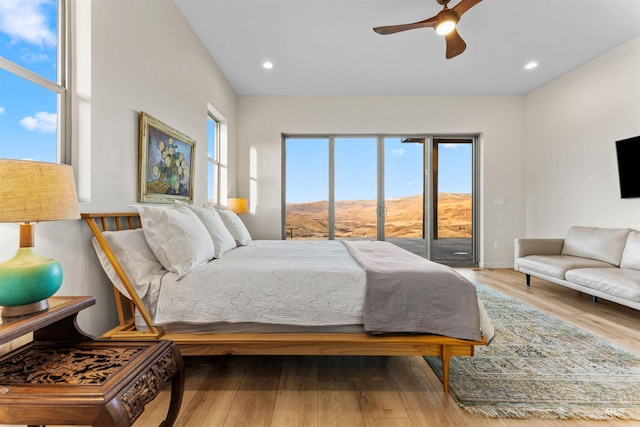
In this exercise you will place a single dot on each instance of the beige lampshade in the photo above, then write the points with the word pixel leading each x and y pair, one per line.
pixel 36 191
pixel 238 205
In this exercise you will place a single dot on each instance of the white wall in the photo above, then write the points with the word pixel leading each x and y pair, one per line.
pixel 499 121
pixel 143 57
pixel 572 126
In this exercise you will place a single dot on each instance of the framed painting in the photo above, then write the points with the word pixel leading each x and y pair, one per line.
pixel 165 163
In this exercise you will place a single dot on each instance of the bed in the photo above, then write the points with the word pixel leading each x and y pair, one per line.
pixel 155 312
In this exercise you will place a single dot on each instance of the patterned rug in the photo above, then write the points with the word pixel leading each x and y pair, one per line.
pixel 539 366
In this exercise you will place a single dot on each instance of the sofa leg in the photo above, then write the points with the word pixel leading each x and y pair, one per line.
pixel 594 298
pixel 528 276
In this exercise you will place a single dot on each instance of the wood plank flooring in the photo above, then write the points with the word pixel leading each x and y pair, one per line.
pixel 371 391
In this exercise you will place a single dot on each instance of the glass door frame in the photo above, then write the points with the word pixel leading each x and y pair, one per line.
pixel 429 196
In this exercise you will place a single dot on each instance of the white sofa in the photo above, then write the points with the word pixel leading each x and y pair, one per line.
pixel 601 262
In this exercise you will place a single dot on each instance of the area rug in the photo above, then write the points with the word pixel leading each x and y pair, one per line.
pixel 540 366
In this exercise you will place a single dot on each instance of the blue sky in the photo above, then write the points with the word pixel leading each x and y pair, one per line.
pixel 28 119
pixel 355 169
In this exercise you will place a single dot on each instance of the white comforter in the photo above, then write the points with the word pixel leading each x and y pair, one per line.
pixel 307 283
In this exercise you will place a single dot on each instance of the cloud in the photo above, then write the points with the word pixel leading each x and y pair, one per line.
pixel 451 145
pixel 42 122
pixel 397 152
pixel 30 57
pixel 2 110
pixel 24 20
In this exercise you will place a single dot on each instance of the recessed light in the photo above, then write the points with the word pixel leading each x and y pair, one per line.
pixel 268 65
pixel 531 65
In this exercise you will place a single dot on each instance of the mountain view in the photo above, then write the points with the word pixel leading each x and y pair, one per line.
pixel 357 218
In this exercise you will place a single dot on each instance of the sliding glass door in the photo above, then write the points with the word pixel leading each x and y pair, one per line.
pixel 355 188
pixel 416 192
pixel 307 188
pixel 453 201
pixel 404 188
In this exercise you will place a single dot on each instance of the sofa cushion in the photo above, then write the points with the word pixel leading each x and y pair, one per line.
pixel 557 265
pixel 631 254
pixel 602 244
pixel 620 282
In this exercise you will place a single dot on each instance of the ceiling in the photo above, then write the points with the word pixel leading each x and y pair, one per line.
pixel 328 47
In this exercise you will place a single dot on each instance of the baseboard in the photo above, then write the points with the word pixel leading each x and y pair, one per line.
pixel 496 265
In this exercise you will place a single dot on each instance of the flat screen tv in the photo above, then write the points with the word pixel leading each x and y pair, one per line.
pixel 628 152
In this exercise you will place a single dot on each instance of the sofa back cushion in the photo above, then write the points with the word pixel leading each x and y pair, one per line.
pixel 631 254
pixel 602 244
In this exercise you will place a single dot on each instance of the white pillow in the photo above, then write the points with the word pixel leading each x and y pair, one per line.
pixel 631 254
pixel 135 257
pixel 236 226
pixel 601 244
pixel 222 239
pixel 176 236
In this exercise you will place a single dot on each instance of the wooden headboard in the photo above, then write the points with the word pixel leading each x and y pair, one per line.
pixel 126 305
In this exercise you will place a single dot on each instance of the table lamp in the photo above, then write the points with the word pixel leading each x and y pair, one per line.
pixel 31 192
pixel 238 205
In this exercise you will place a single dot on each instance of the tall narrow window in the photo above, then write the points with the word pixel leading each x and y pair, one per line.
pixel 33 98
pixel 213 155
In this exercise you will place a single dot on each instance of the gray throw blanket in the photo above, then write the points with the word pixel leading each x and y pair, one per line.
pixel 408 293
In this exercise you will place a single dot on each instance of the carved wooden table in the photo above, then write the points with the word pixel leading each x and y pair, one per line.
pixel 67 377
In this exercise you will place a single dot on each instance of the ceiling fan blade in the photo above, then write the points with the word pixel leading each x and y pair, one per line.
pixel 463 6
pixel 455 44
pixel 390 29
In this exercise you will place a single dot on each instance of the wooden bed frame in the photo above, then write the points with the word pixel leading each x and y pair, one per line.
pixel 190 344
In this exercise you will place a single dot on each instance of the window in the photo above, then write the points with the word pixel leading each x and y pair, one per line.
pixel 33 98
pixel 213 155
pixel 217 157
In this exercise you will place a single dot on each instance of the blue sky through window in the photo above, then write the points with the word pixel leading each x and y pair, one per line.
pixel 28 112
pixel 307 169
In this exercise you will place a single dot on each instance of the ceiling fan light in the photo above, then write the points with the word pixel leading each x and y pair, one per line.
pixel 445 27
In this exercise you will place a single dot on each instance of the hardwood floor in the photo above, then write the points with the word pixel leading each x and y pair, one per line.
pixel 372 391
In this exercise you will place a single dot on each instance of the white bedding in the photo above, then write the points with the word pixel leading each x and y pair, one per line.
pixel 267 286
pixel 305 283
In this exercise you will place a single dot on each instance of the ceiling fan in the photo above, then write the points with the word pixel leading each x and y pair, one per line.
pixel 444 23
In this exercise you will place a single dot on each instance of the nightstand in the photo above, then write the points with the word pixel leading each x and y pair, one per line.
pixel 65 376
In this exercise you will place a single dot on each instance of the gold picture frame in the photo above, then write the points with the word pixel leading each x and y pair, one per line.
pixel 166 163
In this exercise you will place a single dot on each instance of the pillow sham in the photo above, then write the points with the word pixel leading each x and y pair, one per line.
pixel 235 226
pixel 176 236
pixel 135 257
pixel 222 239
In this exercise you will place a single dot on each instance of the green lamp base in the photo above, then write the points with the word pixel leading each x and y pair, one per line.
pixel 26 281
